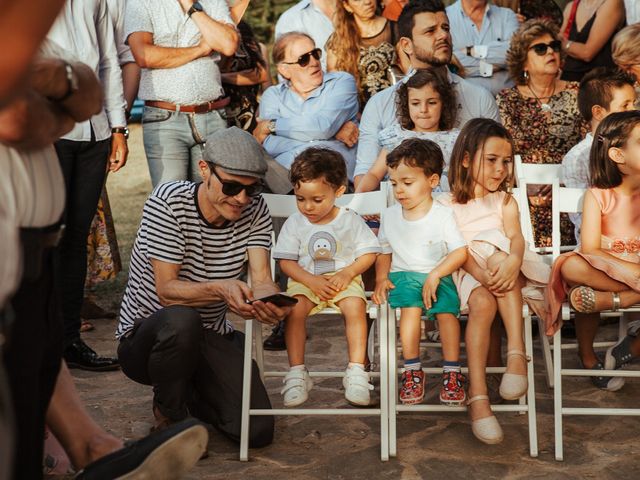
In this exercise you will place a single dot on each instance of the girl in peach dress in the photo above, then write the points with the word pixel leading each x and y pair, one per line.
pixel 499 270
pixel 604 273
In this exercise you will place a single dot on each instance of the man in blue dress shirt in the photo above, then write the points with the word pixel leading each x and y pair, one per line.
pixel 425 37
pixel 310 108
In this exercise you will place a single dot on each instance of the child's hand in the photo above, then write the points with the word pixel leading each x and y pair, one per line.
pixel 429 290
pixel 503 277
pixel 322 287
pixel 340 280
pixel 380 293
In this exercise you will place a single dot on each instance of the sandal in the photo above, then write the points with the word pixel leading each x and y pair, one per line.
pixel 487 429
pixel 588 300
pixel 513 385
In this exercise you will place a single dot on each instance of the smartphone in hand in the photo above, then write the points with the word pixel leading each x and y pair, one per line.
pixel 278 299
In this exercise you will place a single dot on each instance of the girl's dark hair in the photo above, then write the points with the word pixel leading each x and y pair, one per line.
pixel 470 141
pixel 319 163
pixel 613 131
pixel 251 43
pixel 440 83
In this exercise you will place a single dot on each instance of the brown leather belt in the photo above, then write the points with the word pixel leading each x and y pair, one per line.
pixel 202 108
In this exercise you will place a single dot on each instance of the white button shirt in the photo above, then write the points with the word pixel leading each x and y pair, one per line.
pixel 84 29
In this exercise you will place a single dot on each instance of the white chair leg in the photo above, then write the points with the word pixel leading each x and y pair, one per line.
pixel 531 391
pixel 381 324
pixel 246 391
pixel 393 380
pixel 546 353
pixel 259 350
pixel 557 393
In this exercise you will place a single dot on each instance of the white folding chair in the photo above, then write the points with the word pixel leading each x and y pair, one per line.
pixel 537 174
pixel 281 206
pixel 527 404
pixel 569 200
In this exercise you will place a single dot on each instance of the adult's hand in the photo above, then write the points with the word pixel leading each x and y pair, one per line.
pixel 32 122
pixel 49 78
pixel 261 131
pixel 235 294
pixel 119 152
pixel 348 134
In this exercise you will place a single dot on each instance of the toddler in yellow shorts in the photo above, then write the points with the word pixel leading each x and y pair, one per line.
pixel 324 249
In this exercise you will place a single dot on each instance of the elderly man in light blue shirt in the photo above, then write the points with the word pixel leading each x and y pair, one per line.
pixel 481 36
pixel 425 37
pixel 313 17
pixel 310 108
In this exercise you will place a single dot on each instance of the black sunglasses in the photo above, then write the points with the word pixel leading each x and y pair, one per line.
pixel 541 48
pixel 231 189
pixel 305 58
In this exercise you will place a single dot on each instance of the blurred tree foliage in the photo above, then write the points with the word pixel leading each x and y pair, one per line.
pixel 262 15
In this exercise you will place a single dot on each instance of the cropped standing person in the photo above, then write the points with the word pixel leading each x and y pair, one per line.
pixel 86 153
pixel 481 33
pixel 587 31
pixel 178 45
pixel 313 17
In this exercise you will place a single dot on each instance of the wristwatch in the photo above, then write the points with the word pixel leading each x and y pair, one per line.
pixel 271 126
pixel 123 130
pixel 196 7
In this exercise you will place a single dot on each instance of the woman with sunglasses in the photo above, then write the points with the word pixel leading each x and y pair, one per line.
pixel 540 112
pixel 364 45
pixel 587 31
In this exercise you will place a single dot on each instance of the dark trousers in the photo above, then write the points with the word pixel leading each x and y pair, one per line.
pixel 32 358
pixel 194 370
pixel 84 168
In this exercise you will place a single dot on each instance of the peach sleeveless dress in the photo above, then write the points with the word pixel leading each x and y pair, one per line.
pixel 481 223
pixel 620 230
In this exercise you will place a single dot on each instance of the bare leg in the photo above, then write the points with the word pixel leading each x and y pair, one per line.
pixel 82 438
pixel 494 358
pixel 577 271
pixel 354 310
pixel 410 331
pixel 295 330
pixel 510 308
pixel 450 335
pixel 482 310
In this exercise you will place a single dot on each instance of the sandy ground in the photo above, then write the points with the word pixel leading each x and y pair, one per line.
pixel 430 445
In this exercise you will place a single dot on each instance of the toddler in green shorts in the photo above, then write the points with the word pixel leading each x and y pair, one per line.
pixel 421 247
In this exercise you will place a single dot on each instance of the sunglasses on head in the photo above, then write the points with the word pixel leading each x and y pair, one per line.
pixel 231 189
pixel 305 58
pixel 541 48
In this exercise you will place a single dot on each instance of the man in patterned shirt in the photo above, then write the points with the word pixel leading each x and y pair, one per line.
pixel 187 259
pixel 178 45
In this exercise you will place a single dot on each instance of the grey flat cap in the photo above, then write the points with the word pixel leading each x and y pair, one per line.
pixel 236 152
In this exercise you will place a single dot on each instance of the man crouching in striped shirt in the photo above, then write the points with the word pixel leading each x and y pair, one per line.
pixel 186 262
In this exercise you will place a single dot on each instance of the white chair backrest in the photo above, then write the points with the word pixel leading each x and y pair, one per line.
pixel 535 173
pixel 369 203
pixel 565 200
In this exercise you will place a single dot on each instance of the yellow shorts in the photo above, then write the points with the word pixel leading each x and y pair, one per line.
pixel 354 289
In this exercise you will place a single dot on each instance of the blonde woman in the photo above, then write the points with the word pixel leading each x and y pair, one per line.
pixel 625 50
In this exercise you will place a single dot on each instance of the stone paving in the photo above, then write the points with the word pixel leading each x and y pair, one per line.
pixel 432 446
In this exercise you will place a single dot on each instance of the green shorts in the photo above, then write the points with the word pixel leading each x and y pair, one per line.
pixel 408 293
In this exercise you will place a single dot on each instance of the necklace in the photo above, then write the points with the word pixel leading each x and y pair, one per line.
pixel 544 106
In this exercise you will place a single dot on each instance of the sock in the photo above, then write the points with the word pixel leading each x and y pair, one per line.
pixel 450 367
pixel 412 364
pixel 298 367
pixel 354 364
